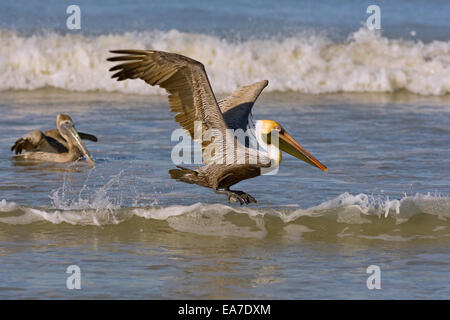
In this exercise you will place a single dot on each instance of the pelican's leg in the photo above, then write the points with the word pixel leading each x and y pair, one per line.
pixel 248 198
pixel 235 196
pixel 232 196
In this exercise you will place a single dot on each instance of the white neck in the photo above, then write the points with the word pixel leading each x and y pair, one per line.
pixel 270 150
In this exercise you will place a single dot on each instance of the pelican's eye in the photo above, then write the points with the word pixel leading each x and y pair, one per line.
pixel 278 129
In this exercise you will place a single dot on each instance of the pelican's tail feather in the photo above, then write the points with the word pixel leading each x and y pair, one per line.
pixel 188 176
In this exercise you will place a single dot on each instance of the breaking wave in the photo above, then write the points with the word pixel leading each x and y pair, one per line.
pixel 306 63
pixel 340 217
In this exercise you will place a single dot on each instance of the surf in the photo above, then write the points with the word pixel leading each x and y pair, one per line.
pixel 360 216
pixel 304 62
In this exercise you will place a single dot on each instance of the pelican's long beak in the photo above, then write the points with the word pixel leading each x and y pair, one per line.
pixel 289 145
pixel 73 132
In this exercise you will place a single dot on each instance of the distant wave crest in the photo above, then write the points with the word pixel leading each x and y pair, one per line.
pixel 366 62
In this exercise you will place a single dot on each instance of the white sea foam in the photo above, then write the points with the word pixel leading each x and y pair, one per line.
pixel 6 206
pixel 354 208
pixel 346 208
pixel 366 62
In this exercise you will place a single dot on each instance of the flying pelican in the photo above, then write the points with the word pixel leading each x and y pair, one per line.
pixel 192 98
pixel 57 145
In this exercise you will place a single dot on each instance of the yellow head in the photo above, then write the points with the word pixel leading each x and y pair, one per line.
pixel 272 134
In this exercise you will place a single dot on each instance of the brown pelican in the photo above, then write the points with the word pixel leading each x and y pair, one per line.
pixel 192 98
pixel 57 145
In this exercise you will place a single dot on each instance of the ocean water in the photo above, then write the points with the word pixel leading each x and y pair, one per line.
pixel 374 106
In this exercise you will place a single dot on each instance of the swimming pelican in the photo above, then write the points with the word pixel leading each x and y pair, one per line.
pixel 57 145
pixel 192 98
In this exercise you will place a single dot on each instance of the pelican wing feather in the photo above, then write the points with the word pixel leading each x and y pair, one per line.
pixel 185 80
pixel 237 107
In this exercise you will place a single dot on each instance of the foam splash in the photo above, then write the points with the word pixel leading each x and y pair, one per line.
pixel 7 206
pixel 66 198
pixel 84 207
pixel 307 63
pixel 208 220
pixel 356 207
pixel 346 208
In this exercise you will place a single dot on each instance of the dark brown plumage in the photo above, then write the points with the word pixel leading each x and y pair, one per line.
pixel 192 99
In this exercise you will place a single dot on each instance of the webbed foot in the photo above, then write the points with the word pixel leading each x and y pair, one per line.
pixel 245 196
pixel 237 196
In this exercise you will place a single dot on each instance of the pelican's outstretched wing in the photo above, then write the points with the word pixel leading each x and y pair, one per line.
pixel 87 136
pixel 54 133
pixel 35 141
pixel 237 107
pixel 185 79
